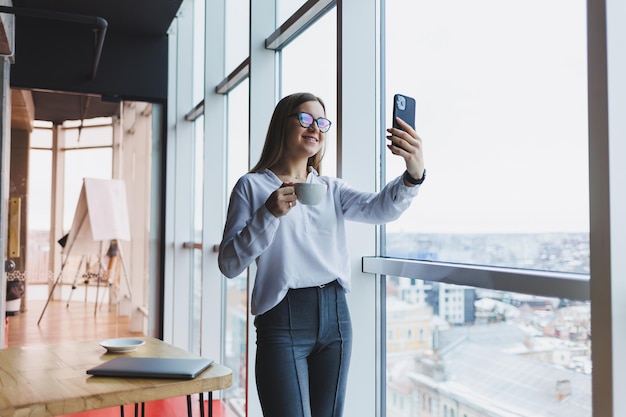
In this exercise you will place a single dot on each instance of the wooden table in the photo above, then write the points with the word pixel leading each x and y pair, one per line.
pixel 51 380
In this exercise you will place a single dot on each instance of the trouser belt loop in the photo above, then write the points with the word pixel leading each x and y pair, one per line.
pixel 328 284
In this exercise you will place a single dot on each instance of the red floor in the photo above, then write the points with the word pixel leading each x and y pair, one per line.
pixel 170 407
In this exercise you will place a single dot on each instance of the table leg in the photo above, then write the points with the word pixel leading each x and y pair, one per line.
pixel 189 414
pixel 209 404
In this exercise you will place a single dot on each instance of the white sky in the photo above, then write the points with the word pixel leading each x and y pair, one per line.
pixel 501 106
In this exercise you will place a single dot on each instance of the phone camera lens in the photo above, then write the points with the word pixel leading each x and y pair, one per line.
pixel 401 103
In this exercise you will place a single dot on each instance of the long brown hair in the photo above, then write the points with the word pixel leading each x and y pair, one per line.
pixel 274 147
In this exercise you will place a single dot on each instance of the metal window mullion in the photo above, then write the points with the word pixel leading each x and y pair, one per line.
pixel 607 176
pixel 57 192
pixel 358 82
pixel 263 87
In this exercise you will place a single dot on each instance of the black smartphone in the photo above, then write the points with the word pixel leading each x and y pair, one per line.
pixel 404 108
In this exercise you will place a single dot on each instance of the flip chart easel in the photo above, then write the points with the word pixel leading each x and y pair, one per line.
pixel 101 216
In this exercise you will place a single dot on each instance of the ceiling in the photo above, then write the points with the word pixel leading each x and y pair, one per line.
pixel 58 63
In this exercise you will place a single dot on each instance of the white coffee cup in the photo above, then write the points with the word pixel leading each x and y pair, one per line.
pixel 309 193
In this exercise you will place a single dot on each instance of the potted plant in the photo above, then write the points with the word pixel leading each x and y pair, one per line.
pixel 15 291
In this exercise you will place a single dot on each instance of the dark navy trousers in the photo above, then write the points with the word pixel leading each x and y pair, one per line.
pixel 303 353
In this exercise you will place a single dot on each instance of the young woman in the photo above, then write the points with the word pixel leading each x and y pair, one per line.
pixel 304 333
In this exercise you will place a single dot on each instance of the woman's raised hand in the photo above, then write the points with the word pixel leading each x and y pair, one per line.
pixel 406 143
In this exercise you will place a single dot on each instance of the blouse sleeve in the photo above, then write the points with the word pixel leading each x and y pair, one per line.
pixel 247 233
pixel 377 208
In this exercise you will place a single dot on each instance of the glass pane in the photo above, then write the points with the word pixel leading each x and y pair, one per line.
pixel 462 351
pixel 41 138
pixel 39 205
pixel 235 351
pixel 320 79
pixel 502 110
pixel 237 33
pixel 285 8
pixel 198 50
pixel 196 284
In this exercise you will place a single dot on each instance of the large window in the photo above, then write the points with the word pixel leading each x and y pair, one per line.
pixel 502 109
pixel 485 290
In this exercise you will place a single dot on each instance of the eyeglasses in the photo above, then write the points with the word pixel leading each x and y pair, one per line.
pixel 306 120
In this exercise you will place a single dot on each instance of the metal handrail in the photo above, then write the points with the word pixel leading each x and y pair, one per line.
pixel 566 285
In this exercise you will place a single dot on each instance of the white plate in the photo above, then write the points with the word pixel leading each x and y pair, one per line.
pixel 121 345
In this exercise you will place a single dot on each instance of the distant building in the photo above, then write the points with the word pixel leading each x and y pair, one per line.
pixel 413 291
pixel 495 370
pixel 467 379
pixel 408 326
pixel 453 303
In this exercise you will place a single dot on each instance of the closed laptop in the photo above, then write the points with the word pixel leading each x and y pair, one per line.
pixel 174 368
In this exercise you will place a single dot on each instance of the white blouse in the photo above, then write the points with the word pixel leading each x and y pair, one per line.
pixel 307 246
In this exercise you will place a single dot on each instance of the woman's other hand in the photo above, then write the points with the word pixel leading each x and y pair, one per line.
pixel 282 200
pixel 406 143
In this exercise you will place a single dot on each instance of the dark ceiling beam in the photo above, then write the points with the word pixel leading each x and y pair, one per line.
pixel 100 24
pixel 53 56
